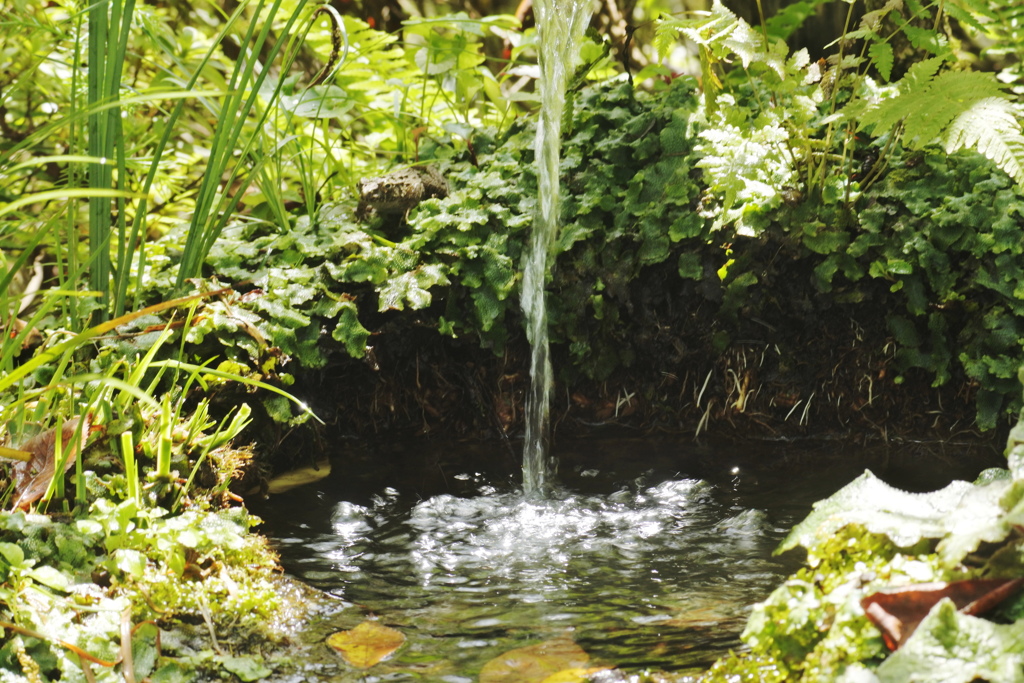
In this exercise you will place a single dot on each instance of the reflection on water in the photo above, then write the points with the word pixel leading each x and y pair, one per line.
pixel 645 567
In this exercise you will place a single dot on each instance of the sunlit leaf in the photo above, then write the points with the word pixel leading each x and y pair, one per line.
pixel 366 644
pixel 535 663
pixel 50 576
pixel 576 675
pixel 962 514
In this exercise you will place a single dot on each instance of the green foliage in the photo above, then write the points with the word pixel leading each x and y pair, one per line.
pixel 950 647
pixel 960 109
pixel 943 233
pixel 324 285
pixel 628 204
pixel 869 536
pixel 1006 29
pixel 159 566
pixel 783 144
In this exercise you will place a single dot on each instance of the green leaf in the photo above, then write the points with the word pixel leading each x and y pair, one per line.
pixel 882 57
pixel 950 647
pixel 926 39
pixel 823 241
pixel 131 562
pixel 50 577
pixel 319 102
pixel 411 287
pixel 690 266
pixel 688 224
pixel 246 668
pixel 13 554
pixel 905 331
pixel 350 332
pixel 962 514
pixel 173 672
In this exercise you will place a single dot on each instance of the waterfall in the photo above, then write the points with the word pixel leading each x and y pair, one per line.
pixel 560 26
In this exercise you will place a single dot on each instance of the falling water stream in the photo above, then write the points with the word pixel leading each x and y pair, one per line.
pixel 560 26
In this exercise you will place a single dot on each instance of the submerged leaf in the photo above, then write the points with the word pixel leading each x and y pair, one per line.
pixel 366 644
pixel 576 675
pixel 246 668
pixel 535 663
pixel 299 477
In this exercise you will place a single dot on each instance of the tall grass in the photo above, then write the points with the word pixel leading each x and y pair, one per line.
pixel 109 27
pixel 102 188
pixel 214 205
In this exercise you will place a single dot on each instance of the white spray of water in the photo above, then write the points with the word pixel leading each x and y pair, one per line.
pixel 560 24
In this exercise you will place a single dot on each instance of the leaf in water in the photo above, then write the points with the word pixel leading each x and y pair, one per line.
pixel 246 668
pixel 300 477
pixel 32 477
pixel 535 663
pixel 898 612
pixel 576 675
pixel 366 644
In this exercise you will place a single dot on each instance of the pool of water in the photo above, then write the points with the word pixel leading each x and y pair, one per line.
pixel 648 557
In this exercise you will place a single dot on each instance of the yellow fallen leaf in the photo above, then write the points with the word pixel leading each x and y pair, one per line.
pixel 366 644
pixel 534 663
pixel 576 675
pixel 300 477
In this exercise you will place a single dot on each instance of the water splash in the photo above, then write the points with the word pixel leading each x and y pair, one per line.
pixel 560 26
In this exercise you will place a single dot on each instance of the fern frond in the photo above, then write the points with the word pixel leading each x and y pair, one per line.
pixel 890 112
pixel 928 107
pixel 788 19
pixel 704 30
pixel 927 40
pixel 920 74
pixel 1007 29
pixel 990 125
pixel 971 13
pixel 959 109
pixel 882 57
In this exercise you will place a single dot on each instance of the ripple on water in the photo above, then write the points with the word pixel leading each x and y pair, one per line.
pixel 500 542
pixel 631 572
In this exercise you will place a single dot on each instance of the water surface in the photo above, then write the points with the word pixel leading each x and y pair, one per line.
pixel 649 555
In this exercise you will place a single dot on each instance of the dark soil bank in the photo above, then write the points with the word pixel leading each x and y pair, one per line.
pixel 789 362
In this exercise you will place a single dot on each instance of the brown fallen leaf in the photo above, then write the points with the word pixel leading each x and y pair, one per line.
pixel 898 611
pixel 535 663
pixel 366 644
pixel 32 477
